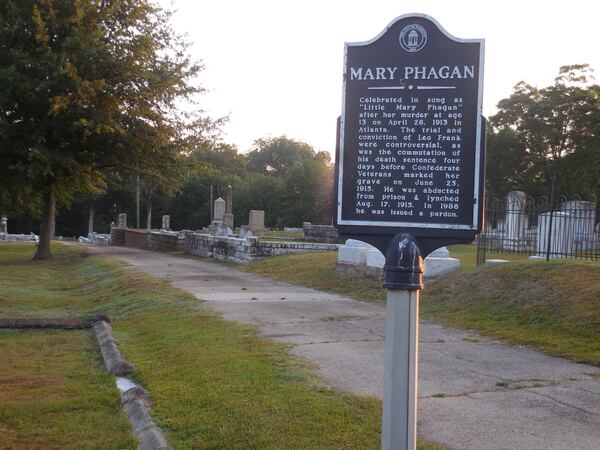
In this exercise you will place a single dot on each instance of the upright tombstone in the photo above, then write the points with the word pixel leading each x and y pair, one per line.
pixel 228 216
pixel 219 210
pixel 4 226
pixel 166 223
pixel 555 235
pixel 256 220
pixel 122 220
pixel 584 217
pixel 516 221
pixel 409 168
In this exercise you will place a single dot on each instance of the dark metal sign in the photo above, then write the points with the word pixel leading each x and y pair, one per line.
pixel 411 139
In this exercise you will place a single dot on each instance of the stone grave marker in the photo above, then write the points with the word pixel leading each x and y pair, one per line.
pixel 256 220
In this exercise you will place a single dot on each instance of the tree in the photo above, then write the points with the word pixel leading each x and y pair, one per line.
pixel 88 90
pixel 549 136
pixel 274 156
pixel 306 176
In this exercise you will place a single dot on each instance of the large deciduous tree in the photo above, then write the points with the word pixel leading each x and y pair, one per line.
pixel 541 137
pixel 88 91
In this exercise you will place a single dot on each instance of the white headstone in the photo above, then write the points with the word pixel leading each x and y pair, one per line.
pixel 356 243
pixel 375 258
pixel 584 217
pixel 219 209
pixel 352 255
pixel 441 252
pixel 166 223
pixel 4 225
pixel 435 267
pixel 562 235
pixel 122 220
pixel 256 220
pixel 515 220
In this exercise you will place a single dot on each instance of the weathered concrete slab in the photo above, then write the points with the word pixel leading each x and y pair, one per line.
pixel 475 393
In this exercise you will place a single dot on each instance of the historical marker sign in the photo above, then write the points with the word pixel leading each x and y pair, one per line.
pixel 411 143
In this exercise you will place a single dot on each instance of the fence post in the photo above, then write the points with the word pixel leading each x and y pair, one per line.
pixel 549 236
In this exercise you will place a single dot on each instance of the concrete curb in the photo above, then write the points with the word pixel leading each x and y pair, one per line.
pixel 136 403
pixel 113 360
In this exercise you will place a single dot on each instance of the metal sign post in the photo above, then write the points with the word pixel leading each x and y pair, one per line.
pixel 409 176
pixel 403 269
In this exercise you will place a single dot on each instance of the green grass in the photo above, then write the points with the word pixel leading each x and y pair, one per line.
pixel 280 235
pixel 215 384
pixel 318 270
pixel 553 306
pixel 467 253
pixel 55 394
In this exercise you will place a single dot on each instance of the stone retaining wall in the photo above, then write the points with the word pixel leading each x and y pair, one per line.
pixel 240 251
pixel 320 233
pixel 165 241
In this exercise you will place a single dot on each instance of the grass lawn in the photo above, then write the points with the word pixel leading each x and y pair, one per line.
pixel 553 306
pixel 55 393
pixel 215 384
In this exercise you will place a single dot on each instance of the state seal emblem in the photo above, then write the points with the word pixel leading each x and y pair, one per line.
pixel 413 38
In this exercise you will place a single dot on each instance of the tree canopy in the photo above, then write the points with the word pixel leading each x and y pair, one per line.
pixel 88 91
pixel 545 135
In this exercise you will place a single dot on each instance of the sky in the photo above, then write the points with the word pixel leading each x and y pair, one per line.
pixel 275 67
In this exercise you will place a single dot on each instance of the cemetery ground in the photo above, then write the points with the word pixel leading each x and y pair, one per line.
pixel 217 383
pixel 552 306
pixel 474 392
pixel 214 383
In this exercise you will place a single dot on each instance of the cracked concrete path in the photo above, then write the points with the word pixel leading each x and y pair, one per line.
pixel 474 393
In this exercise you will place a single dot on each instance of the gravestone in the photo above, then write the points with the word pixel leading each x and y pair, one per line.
pixel 219 210
pixel 562 235
pixel 228 220
pixel 229 205
pixel 245 232
pixel 4 226
pixel 256 220
pixel 515 221
pixel 166 223
pixel 354 252
pixel 122 220
pixel 584 217
pixel 228 216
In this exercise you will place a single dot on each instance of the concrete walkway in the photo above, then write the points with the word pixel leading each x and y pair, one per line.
pixel 474 393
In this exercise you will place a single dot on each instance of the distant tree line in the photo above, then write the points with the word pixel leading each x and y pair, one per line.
pixel 286 178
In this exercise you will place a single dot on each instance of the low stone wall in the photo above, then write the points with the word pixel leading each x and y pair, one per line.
pixel 320 233
pixel 165 241
pixel 162 241
pixel 268 248
pixel 18 237
pixel 240 251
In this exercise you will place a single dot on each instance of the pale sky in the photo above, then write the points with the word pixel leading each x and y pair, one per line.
pixel 275 67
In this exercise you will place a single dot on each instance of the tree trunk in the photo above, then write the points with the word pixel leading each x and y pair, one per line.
pixel 46 227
